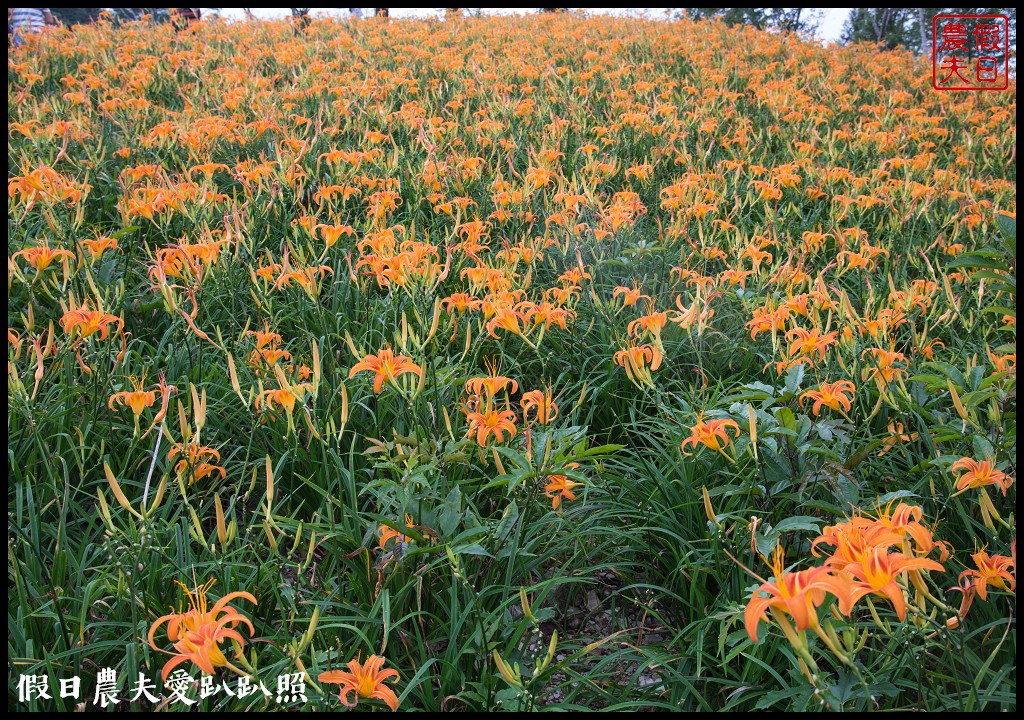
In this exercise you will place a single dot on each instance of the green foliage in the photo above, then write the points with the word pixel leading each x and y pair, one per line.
pixel 911 27
pixel 801 20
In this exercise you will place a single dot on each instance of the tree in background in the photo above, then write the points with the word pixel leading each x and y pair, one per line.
pixel 891 27
pixel 801 20
pixel 910 27
pixel 76 16
pixel 301 18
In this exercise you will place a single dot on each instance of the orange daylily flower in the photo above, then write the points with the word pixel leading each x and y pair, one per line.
pixel 365 680
pixel 499 299
pixel 137 399
pixel 876 574
pixel 848 260
pixel 897 435
pixel 636 359
pixel 268 355
pixel 979 474
pixel 712 433
pixel 381 203
pixel 574 276
pixel 799 305
pixel 492 384
pixel 332 233
pixel 992 569
pixel 84 322
pixel 198 632
pixel 807 342
pixel 906 520
pixel 832 395
pixel 490 422
pixel 194 461
pixel 654 323
pixel 286 396
pixel 699 312
pixel 42 257
pixel 508 319
pixel 736 277
pixel 201 255
pixel 855 538
pixel 562 295
pixel 207 169
pixel 304 277
pixel 630 295
pixel 929 349
pixel 387 533
pixel 46 184
pixel 797 594
pixel 98 246
pixel 264 336
pixel 701 283
pixel 386 366
pixel 766 319
pixel 460 302
pixel 541 400
pixel 560 486
pixel 756 256
pixel 546 314
pixel 854 541
pixel 885 368
pixel 1003 363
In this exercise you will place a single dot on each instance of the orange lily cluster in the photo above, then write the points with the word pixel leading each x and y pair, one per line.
pixel 46 185
pixel 862 564
pixel 485 418
pixel 194 461
pixel 408 264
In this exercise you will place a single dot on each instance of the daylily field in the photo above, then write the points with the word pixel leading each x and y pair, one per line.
pixel 547 362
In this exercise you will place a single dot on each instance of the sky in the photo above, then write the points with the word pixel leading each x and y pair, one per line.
pixel 829 29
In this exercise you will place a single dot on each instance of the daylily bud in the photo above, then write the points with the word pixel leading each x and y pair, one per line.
pixel 709 511
pixel 511 677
